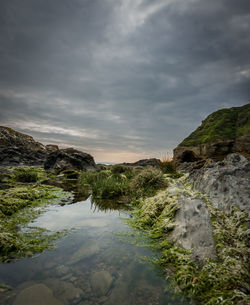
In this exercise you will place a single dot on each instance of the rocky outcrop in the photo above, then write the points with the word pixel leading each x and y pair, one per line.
pixel 69 158
pixel 17 148
pixel 20 149
pixel 226 182
pixel 221 133
pixel 145 162
pixel 217 150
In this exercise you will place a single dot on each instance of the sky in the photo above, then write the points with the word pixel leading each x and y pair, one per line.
pixel 121 79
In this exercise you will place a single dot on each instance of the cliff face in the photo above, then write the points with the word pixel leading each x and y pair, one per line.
pixel 221 133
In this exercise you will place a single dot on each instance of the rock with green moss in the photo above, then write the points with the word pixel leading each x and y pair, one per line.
pixel 204 251
pixel 222 132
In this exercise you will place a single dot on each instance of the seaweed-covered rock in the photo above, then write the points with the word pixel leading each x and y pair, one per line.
pixel 69 158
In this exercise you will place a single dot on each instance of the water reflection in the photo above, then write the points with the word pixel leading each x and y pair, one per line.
pixel 90 266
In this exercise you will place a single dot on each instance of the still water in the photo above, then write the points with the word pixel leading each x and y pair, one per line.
pixel 90 266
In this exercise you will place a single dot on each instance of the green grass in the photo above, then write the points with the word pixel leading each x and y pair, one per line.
pixel 121 181
pixel 25 175
pixel 224 124
pixel 147 182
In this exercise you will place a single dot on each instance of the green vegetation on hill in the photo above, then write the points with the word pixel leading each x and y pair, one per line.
pixel 224 124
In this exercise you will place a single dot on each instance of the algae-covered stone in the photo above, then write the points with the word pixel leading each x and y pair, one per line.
pixel 38 294
pixel 101 282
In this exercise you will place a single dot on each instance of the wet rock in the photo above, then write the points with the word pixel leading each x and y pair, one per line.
pixel 69 159
pixel 38 294
pixel 101 282
pixel 86 251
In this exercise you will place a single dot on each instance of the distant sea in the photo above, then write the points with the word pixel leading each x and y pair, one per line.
pixel 107 163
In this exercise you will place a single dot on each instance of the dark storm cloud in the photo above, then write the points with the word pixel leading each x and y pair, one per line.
pixel 121 76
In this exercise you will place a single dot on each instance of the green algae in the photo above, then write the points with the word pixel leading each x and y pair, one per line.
pixel 224 280
pixel 19 206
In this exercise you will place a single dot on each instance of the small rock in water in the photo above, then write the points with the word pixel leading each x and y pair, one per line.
pixel 38 294
pixel 101 282
pixel 86 251
pixel 64 290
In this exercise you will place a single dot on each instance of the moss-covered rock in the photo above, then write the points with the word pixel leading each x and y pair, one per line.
pixel 222 132
pixel 220 276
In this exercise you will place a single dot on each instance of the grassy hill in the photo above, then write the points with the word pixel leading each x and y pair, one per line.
pixel 224 124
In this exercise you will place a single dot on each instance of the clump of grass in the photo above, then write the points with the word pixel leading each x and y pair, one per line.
pixel 119 169
pixel 121 181
pixel 147 182
pixel 25 174
pixel 113 186
pixel 169 167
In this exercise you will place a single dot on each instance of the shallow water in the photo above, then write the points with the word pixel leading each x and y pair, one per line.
pixel 91 265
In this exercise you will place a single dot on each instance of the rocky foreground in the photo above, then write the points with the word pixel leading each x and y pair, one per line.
pixel 197 218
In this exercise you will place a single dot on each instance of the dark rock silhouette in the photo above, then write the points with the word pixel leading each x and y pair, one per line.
pixel 69 158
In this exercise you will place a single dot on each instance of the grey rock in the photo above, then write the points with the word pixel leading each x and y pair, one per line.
pixel 38 294
pixel 226 182
pixel 193 228
pixel 101 282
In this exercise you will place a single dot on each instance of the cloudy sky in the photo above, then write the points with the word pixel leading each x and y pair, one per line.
pixel 121 79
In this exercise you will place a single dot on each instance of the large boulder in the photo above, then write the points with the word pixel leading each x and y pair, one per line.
pixel 221 133
pixel 67 159
pixel 226 182
pixel 17 148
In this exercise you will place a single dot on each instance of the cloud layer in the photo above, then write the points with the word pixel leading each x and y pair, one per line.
pixel 121 79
